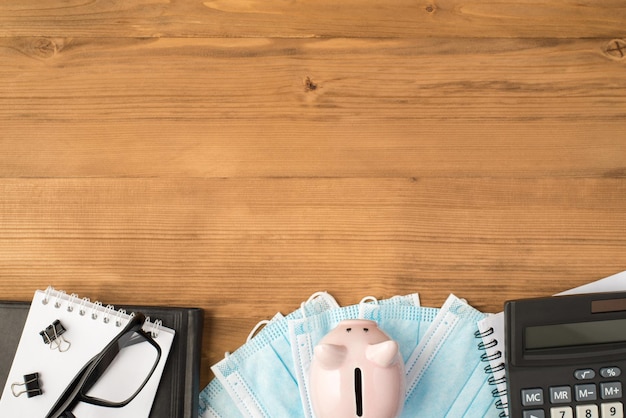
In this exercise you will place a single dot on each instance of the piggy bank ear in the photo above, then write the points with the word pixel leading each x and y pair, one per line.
pixel 330 356
pixel 382 354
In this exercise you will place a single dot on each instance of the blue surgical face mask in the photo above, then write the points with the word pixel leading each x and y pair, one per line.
pixel 215 402
pixel 445 375
pixel 259 376
pixel 400 317
pixel 405 324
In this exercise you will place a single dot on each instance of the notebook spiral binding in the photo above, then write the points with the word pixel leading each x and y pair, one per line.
pixel 490 356
pixel 95 310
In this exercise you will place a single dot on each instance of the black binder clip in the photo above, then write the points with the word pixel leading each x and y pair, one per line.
pixel 53 335
pixel 31 386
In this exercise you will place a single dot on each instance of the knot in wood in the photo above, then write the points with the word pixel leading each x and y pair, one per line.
pixel 309 85
pixel 44 47
pixel 616 48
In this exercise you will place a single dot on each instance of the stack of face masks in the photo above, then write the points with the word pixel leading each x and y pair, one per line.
pixel 268 376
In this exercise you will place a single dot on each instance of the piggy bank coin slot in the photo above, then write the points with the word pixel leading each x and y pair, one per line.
pixel 358 391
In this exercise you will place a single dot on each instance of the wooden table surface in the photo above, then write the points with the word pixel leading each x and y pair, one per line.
pixel 239 155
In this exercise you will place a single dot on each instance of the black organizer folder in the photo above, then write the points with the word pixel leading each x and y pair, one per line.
pixel 177 395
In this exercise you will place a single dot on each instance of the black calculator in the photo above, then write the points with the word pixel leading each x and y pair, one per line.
pixel 566 356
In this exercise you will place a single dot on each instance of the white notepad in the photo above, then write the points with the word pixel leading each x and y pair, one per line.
pixel 88 333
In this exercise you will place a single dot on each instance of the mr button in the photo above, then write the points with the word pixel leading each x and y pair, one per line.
pixel 560 394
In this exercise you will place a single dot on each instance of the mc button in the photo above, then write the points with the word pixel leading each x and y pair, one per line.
pixel 532 397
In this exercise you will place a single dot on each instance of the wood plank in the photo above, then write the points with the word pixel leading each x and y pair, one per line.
pixel 378 108
pixel 245 248
pixel 243 149
pixel 314 18
pixel 265 79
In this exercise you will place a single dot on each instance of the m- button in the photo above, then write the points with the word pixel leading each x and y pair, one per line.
pixel 585 392
pixel 560 394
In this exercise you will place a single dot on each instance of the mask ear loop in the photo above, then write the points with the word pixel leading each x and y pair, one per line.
pixel 315 295
pixel 267 321
pixel 363 303
pixel 256 328
pixel 303 309
pixel 309 300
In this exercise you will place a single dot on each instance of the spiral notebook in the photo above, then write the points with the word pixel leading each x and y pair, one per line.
pixel 491 334
pixel 61 334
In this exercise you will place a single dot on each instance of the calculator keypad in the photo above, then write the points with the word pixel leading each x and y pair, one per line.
pixel 579 400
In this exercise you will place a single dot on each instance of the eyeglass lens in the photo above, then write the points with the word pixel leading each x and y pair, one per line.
pixel 127 370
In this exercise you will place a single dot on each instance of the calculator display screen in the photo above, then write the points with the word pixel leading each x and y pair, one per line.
pixel 575 334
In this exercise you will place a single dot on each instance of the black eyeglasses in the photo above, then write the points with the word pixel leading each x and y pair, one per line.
pixel 116 375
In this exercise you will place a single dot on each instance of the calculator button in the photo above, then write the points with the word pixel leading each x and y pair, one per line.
pixel 535 413
pixel 560 394
pixel 587 411
pixel 610 371
pixel 612 410
pixel 584 374
pixel 586 392
pixel 561 412
pixel 532 397
pixel 611 390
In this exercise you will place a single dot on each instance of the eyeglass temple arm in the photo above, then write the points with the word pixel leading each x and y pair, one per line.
pixel 81 382
pixel 69 398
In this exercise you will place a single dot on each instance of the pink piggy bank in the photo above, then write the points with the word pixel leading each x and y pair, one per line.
pixel 357 371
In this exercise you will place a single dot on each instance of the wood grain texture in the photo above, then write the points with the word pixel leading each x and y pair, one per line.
pixel 242 107
pixel 313 18
pixel 308 149
pixel 240 155
pixel 424 81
